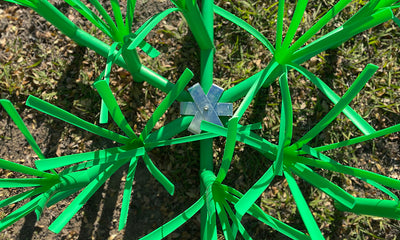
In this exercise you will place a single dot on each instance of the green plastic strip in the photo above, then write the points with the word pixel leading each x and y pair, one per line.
pixel 142 32
pixel 322 157
pixel 357 120
pixel 247 27
pixel 158 175
pixel 22 196
pixel 101 156
pixel 364 138
pixel 118 16
pixel 383 189
pixel 130 12
pixel 89 15
pixel 255 88
pixel 112 105
pixel 302 206
pixel 236 221
pixel 258 143
pixel 355 172
pixel 111 58
pixel 340 35
pixel 397 21
pixel 113 29
pixel 149 50
pixel 183 80
pixel 336 9
pixel 223 219
pixel 18 214
pixel 170 130
pixel 175 223
pixel 82 198
pixel 244 204
pixel 57 197
pixel 61 114
pixel 229 148
pixel 259 214
pixel 7 105
pixel 331 189
pixel 374 207
pixel 14 167
pixel 286 124
pixel 126 198
pixel 279 24
pixel 295 23
pixel 191 138
pixel 22 182
pixel 354 89
pixel 25 3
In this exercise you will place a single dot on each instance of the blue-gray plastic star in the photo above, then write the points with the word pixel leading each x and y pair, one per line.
pixel 205 107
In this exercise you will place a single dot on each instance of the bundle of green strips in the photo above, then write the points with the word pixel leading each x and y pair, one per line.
pixel 57 178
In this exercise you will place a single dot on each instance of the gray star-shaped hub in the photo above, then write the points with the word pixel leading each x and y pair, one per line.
pixel 205 107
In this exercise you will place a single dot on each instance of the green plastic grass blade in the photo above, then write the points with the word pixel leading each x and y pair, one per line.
pixel 18 214
pixel 244 204
pixel 295 22
pixel 279 24
pixel 62 195
pixel 112 105
pixel 126 198
pixel 7 105
pixel 21 196
pixel 286 124
pixel 259 214
pixel 175 223
pixel 355 172
pixel 247 27
pixel 170 130
pixel 397 21
pixel 261 145
pixel 158 175
pixel 313 152
pixel 22 182
pixel 223 219
pixel 364 12
pixel 340 35
pixel 116 8
pixel 229 148
pixel 360 139
pixel 61 114
pixel 130 12
pixel 148 49
pixel 191 138
pixel 303 208
pixel 89 15
pixel 357 120
pixel 209 209
pixel 236 221
pixel 111 58
pixel 255 88
pixel 100 156
pixel 166 103
pixel 354 89
pixel 14 167
pixel 374 207
pixel 82 198
pixel 113 29
pixel 25 3
pixel 141 33
pixel 331 189
pixel 336 9
pixel 383 189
